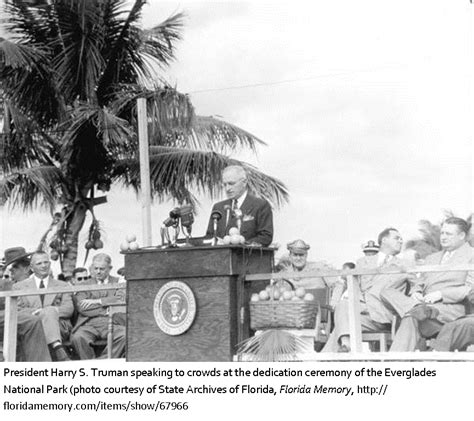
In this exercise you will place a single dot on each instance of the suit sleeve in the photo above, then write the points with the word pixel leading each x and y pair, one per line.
pixel 22 303
pixel 96 310
pixel 66 308
pixel 118 297
pixel 457 293
pixel 264 231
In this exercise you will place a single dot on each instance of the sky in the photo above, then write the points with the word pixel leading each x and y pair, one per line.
pixel 366 108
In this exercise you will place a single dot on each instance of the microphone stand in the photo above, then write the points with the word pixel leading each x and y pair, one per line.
pixel 214 241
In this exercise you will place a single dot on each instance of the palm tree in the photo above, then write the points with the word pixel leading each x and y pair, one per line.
pixel 70 74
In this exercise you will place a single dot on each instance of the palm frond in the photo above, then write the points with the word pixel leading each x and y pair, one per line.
pixel 175 171
pixel 27 81
pixel 168 110
pixel 25 144
pixel 95 138
pixel 271 345
pixel 25 20
pixel 16 55
pixel 79 66
pixel 429 233
pixel 158 42
pixel 421 247
pixel 31 187
pixel 121 59
pixel 215 134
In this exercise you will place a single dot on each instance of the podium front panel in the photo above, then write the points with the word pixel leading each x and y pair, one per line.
pixel 215 278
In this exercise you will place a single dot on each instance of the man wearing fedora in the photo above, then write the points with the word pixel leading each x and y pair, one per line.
pixel 19 261
pixel 49 308
pixel 31 339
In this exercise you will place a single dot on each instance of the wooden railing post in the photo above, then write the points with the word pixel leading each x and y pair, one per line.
pixel 9 336
pixel 355 331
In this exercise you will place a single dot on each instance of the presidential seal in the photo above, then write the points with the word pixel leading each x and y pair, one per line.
pixel 174 308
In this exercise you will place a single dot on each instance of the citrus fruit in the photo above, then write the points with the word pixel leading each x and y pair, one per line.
pixel 234 231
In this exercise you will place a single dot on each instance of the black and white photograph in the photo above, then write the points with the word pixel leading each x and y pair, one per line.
pixel 257 183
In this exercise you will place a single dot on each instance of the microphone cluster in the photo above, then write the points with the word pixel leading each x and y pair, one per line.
pixel 179 216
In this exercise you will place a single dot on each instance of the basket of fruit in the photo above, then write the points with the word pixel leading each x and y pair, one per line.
pixel 281 307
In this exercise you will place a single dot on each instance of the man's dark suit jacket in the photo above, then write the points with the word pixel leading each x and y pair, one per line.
pixel 257 220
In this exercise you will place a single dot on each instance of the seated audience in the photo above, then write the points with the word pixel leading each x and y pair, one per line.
pixel 438 297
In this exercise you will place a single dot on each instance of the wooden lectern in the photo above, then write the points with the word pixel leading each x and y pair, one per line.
pixel 213 278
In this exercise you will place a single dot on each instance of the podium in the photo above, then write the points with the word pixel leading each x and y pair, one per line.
pixel 191 303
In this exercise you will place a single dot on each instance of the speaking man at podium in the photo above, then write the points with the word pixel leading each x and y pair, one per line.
pixel 241 209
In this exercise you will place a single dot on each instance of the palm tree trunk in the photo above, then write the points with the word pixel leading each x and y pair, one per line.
pixel 75 222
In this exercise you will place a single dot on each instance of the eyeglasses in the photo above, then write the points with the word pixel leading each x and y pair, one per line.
pixel 83 278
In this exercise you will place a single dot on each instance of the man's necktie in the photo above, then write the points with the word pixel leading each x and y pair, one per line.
pixel 41 296
pixel 385 260
pixel 446 257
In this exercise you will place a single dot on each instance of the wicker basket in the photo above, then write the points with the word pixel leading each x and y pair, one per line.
pixel 283 314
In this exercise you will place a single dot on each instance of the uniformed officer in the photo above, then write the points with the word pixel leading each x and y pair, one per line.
pixel 298 257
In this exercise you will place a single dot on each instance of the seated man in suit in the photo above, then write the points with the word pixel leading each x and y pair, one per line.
pixel 92 323
pixel 437 298
pixel 256 216
pixel 54 311
pixel 30 334
pixel 374 316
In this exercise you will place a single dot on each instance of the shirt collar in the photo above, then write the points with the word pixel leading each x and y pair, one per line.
pixel 38 281
pixel 104 282
pixel 383 258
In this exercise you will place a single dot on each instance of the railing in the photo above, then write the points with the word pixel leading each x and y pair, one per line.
pixel 11 310
pixel 355 332
pixel 11 297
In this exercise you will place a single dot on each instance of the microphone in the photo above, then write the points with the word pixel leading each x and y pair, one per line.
pixel 168 222
pixel 215 216
pixel 187 217
pixel 174 213
pixel 227 209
